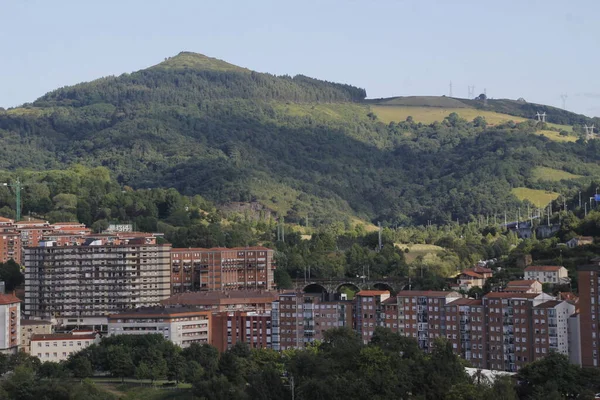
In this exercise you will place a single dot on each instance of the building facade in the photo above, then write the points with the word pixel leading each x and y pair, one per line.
pixel 302 318
pixel 259 301
pixel 182 326
pixel 551 328
pixel 524 286
pixel 466 330
pixel 229 328
pixel 547 274
pixel 30 327
pixel 10 314
pixel 243 268
pixel 57 347
pixel 94 279
pixel 589 313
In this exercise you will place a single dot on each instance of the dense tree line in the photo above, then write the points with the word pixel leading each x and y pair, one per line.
pixel 301 147
pixel 340 367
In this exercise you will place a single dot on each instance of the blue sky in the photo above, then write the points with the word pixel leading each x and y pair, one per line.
pixel 514 48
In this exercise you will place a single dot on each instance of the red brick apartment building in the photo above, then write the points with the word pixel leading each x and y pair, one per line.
pixel 466 330
pixel 239 268
pixel 369 312
pixel 228 328
pixel 589 312
pixel 302 318
pixel 421 315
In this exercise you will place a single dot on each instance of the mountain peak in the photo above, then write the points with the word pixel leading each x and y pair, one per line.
pixel 187 59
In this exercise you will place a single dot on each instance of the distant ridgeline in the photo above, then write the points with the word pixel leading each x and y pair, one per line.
pixel 301 147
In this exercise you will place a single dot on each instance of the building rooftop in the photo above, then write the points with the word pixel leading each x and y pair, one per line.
pixel 217 297
pixel 157 311
pixel 26 322
pixel 372 292
pixel 465 302
pixel 471 274
pixel 543 268
pixel 61 336
pixel 482 270
pixel 199 249
pixel 428 293
pixel 549 304
pixel 508 295
pixel 390 300
pixel 8 299
pixel 524 282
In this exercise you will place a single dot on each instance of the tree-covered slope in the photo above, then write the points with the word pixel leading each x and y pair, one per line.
pixel 301 146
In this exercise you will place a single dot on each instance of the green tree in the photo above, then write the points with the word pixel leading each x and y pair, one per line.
pixel 10 273
pixel 142 371
pixel 81 367
pixel 120 363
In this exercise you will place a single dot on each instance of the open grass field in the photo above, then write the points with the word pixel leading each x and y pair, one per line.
pixel 415 250
pixel 421 101
pixel 551 174
pixel 536 197
pixel 556 137
pixel 136 391
pixel 428 115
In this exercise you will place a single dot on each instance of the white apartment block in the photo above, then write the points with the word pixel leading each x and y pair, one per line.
pixel 182 326
pixel 94 280
pixel 547 274
pixel 58 347
pixel 30 327
pixel 10 312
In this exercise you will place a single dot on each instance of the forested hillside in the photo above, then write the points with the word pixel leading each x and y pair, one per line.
pixel 300 146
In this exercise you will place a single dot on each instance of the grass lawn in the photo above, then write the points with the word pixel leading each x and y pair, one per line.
pixel 551 174
pixel 133 389
pixel 428 115
pixel 537 197
pixel 415 250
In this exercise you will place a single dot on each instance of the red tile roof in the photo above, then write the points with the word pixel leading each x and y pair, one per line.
pixel 482 270
pixel 465 302
pixel 543 268
pixel 549 304
pixel 428 293
pixel 391 300
pixel 8 299
pixel 471 274
pixel 508 295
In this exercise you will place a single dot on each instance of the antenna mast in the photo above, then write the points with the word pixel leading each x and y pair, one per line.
pixel 450 88
pixel 471 91
pixel 563 97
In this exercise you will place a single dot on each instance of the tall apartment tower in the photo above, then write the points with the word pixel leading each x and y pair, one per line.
pixel 589 312
pixel 78 284
pixel 241 268
pixel 466 330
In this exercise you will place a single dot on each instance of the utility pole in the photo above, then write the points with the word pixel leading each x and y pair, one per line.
pixel 549 209
pixel 18 186
pixel 450 88
pixel 380 239
pixel 580 199
pixel 563 97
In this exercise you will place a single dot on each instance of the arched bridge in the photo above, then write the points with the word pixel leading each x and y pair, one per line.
pixel 334 285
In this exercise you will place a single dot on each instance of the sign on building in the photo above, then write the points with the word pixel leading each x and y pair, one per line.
pixel 120 228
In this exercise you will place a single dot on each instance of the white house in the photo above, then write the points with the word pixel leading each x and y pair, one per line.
pixel 547 274
pixel 524 286
pixel 58 347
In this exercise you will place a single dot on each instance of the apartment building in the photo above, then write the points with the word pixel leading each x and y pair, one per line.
pixel 390 313
pixel 589 312
pixel 466 330
pixel 422 315
pixel 547 274
pixel 228 328
pixel 508 317
pixel 551 328
pixel 10 314
pixel 241 268
pixel 57 347
pixel 30 327
pixel 78 284
pixel 182 326
pixel 369 312
pixel 259 301
pixel 302 318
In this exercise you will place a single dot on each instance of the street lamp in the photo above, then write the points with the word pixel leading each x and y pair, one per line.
pixel 17 185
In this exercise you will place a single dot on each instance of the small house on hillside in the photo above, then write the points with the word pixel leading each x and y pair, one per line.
pixel 580 241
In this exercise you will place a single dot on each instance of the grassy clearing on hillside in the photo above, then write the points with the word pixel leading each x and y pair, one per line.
pixel 415 250
pixel 134 391
pixel 551 174
pixel 339 111
pixel 567 128
pixel 428 115
pixel 556 137
pixel 421 101
pixel 537 197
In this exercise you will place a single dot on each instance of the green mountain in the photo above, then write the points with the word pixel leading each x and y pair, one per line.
pixel 300 146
